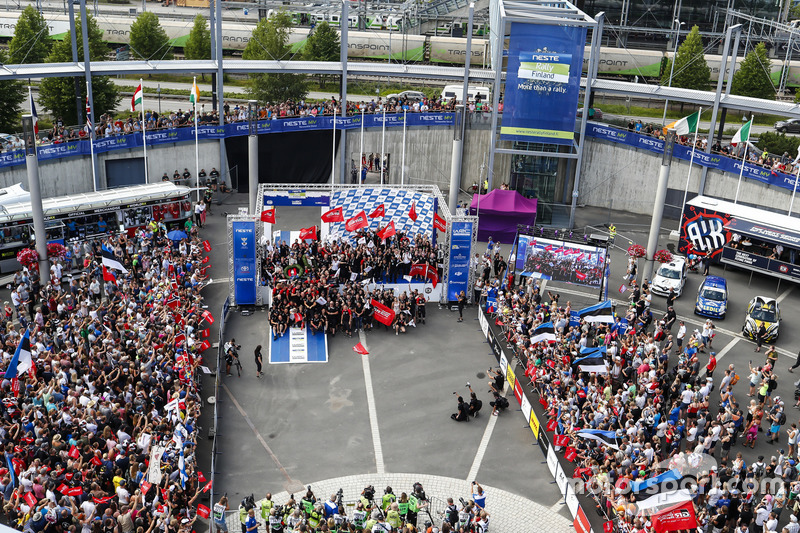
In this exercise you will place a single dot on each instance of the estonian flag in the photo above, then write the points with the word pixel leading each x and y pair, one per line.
pixel 663 489
pixel 598 313
pixel 609 438
pixel 545 332
pixel 111 261
pixel 592 360
pixel 22 361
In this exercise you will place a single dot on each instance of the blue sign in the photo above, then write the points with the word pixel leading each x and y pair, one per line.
pixel 460 251
pixel 244 262
pixel 297 197
pixel 542 83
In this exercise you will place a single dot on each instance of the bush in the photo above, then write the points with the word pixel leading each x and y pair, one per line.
pixel 778 143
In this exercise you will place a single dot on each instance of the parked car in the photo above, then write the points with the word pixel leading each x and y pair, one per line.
pixel 670 275
pixel 411 96
pixel 762 310
pixel 595 113
pixel 712 297
pixel 791 125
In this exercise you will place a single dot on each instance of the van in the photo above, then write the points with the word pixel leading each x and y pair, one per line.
pixel 473 92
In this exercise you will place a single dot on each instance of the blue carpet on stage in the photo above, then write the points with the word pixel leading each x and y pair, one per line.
pixel 298 346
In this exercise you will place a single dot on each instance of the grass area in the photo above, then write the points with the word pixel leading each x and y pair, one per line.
pixel 658 112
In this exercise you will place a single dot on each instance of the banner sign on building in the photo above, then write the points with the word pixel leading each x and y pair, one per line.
pixel 296 197
pixel 458 267
pixel 542 83
pixel 244 261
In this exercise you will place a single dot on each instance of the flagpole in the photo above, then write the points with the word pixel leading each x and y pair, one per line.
pixel 691 160
pixel 796 177
pixel 741 169
pixel 195 93
pixel 403 162
pixel 144 134
pixel 383 141
pixel 91 144
pixel 333 150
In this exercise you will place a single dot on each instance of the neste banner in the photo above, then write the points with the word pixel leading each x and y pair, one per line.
pixel 244 261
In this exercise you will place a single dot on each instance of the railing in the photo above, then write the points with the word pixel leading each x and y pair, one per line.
pixel 213 431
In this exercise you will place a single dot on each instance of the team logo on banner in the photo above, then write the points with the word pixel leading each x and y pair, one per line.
pixel 703 232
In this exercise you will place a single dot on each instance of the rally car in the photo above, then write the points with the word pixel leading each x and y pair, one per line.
pixel 762 310
pixel 712 297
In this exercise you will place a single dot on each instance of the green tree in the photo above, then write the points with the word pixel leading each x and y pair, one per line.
pixel 691 69
pixel 778 143
pixel 752 79
pixel 148 39
pixel 323 45
pixel 12 94
pixel 198 43
pixel 31 41
pixel 58 94
pixel 270 41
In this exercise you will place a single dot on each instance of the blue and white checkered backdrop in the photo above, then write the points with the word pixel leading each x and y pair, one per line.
pixel 396 203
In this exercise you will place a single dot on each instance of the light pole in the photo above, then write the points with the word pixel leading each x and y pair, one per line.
pixel 678 25
pixel 158 90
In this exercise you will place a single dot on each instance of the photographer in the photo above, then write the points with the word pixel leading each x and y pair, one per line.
pixel 219 514
pixel 478 496
pixel 474 403
pixel 462 414
pixel 331 507
pixel 232 356
pixel 251 524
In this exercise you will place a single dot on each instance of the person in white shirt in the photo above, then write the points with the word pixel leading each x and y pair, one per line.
pixel 681 335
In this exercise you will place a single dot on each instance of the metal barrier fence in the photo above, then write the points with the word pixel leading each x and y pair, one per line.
pixel 213 431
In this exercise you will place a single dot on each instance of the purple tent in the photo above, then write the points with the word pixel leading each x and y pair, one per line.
pixel 500 212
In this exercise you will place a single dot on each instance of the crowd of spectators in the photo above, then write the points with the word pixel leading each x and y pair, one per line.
pixel 112 389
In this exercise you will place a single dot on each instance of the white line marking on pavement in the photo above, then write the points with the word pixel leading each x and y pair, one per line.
pixel 487 434
pixel 785 293
pixel 218 281
pixel 373 413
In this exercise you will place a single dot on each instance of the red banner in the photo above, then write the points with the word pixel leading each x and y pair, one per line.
pixel 357 222
pixel 570 454
pixel 334 215
pixel 581 523
pixel 268 216
pixel 388 231
pixel 74 452
pixel 560 440
pixel 378 212
pixel 205 345
pixel 383 314
pixel 677 517
pixel 203 511
pixel 205 260
pixel 30 499
pixel 439 223
pixel 73 491
pixel 608 526
pixel 102 500
pixel 359 349
pixel 425 270
pixel 308 233
pixel 145 486
pixel 200 477
pixel 207 316
pixel 206 333
pixel 552 425
pixel 412 213
pixel 206 246
pixel 108 275
pixel 96 461
pixel 61 488
pixel 580 275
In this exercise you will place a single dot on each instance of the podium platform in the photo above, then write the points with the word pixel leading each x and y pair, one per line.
pixel 298 345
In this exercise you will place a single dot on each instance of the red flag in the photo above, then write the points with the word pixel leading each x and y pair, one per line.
pixel 96 461
pixel 205 260
pixel 552 425
pixel 15 386
pixel 418 269
pixel 206 246
pixel 439 223
pixel 566 360
pixel 30 499
pixel 432 275
pixel 560 440
pixel 102 500
pixel 357 222
pixel 580 275
pixel 61 488
pixel 378 212
pixel 268 216
pixel 388 231
pixel 543 402
pixel 550 363
pixel 207 486
pixel 308 233
pixel 334 215
pixel 172 302
pixel 359 348
pixel 203 511
pixel 179 339
pixel 383 314
pixel 205 345
pixel 145 486
pixel 200 477
pixel 206 333
pixel 622 288
pixel 74 452
pixel 109 276
pixel 676 517
pixel 412 213
pixel 207 316
pixel 608 526
pixel 570 454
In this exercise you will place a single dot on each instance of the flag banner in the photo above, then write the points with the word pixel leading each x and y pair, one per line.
pixel 205 333
pixel 33 113
pixel 387 232
pixel 172 302
pixel 207 316
pixel 109 276
pixel 551 425
pixel 743 134
pixel 61 488
pixel 663 489
pixel 30 499
pixel 203 511
pixel 22 361
pixel 378 212
pixel 207 486
pixel 676 518
pixel 580 275
pixel 560 440
pixel 334 215
pixel 412 213
pixel 608 526
pixel 136 98
pixel 194 97
pixel 102 500
pixel 206 246
pixel 96 461
pixel 73 491
pixel 685 125
pixel 205 345
pixel 592 363
pixel 570 454
pixel 74 452
pixel 382 314
pixel 439 223
pixel 268 215
pixel 623 288
pixel 601 312
pixel 357 222
pixel 609 438
pixel 359 349
pixel 200 477
pixel 545 332
pixel 308 233
pixel 110 260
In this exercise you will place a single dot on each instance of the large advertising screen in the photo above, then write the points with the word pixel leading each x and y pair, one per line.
pixel 460 251
pixel 542 83
pixel 549 259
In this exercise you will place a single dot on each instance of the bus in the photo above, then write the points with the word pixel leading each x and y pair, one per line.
pixel 88 216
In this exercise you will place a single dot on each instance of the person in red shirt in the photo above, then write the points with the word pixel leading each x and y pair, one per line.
pixel 712 365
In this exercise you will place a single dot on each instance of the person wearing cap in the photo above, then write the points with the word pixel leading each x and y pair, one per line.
pixel 792 526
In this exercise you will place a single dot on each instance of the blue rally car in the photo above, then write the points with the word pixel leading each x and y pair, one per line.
pixel 712 297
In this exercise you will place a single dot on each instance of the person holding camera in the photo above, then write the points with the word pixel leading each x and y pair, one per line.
pixel 474 403
pixel 219 514
pixel 232 356
pixel 462 413
pixel 478 495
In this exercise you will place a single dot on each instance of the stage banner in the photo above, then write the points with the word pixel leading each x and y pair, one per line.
pixel 458 267
pixel 244 261
pixel 542 83
pixel 296 197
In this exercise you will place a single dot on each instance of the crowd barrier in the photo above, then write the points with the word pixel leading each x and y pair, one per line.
pixel 223 316
pixel 581 507
pixel 236 129
pixel 713 161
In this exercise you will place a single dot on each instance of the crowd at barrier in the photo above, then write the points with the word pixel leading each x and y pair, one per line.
pixel 99 425
pixel 410 512
pixel 655 414
pixel 336 286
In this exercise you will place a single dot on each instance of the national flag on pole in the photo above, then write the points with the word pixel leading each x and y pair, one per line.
pixel 545 332
pixel 206 246
pixel 110 260
pixel 207 486
pixel 743 135
pixel 194 94
pixel 182 468
pixel 357 222
pixel 439 223
pixel 334 215
pixel 137 97
pixel 388 231
pixel 622 289
pixel 412 213
pixel 598 313
pixel 108 275
pixel 308 233
pixel 22 361
pixel 268 215
pixel 686 124
pixel 33 112
pixel 207 316
pixel 593 360
pixel 382 314
pixel 378 212
pixel 88 106
pixel 359 349
pixel 609 438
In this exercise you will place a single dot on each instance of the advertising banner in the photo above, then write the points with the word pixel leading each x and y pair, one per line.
pixel 703 231
pixel 458 267
pixel 244 261
pixel 579 264
pixel 511 377
pixel 754 261
pixel 296 197
pixel 534 423
pixel 542 83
